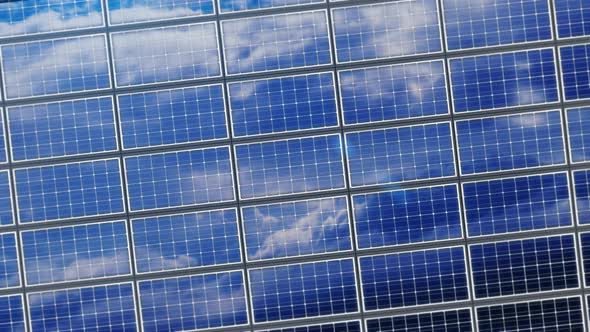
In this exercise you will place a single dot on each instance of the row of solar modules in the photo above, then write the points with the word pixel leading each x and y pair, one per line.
pixel 320 288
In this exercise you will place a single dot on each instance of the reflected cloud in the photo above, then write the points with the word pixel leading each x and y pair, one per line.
pixel 132 11
pixel 238 5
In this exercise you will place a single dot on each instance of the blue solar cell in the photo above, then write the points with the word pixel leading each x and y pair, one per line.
pixel 578 125
pixel 240 5
pixel 585 247
pixel 75 253
pixel 18 18
pixel 524 266
pixel 290 166
pixel 573 18
pixel 172 116
pixel 276 42
pixel 132 11
pixel 303 290
pixel 96 308
pixel 517 204
pixel 69 190
pixel 3 157
pixel 283 104
pixel 497 22
pixel 439 321
pixel 296 228
pixel 5 200
pixel 12 316
pixel 48 67
pixel 9 275
pixel 414 278
pixel 353 326
pixel 393 92
pixel 503 80
pixel 407 216
pixel 560 314
pixel 186 240
pixel 575 68
pixel 179 178
pixel 582 194
pixel 166 54
pixel 62 128
pixel 510 142
pixel 392 155
pixel 386 30
pixel 193 302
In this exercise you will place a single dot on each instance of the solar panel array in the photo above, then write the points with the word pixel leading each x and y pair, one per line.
pixel 295 165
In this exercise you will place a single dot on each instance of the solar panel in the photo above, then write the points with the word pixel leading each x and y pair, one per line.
pixel 575 65
pixel 585 249
pixel 524 266
pixel 573 18
pixel 582 194
pixel 443 321
pixel 352 326
pixel 240 5
pixel 6 217
pixel 3 157
pixel 12 316
pixel 398 217
pixel 403 91
pixel 517 204
pixel 133 11
pixel 578 122
pixel 9 268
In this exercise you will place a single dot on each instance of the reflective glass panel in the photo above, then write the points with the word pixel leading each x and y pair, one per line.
pixel 290 166
pixel 585 247
pixel 303 290
pixel 9 275
pixel 440 321
pixel 503 80
pixel 3 157
pixel 575 69
pixel 524 266
pixel 69 190
pixel 393 92
pixel 132 11
pixel 179 178
pixel 578 125
pixel 48 67
pixel 62 128
pixel 407 216
pixel 582 192
pixel 193 302
pixel 172 116
pixel 414 278
pixel 75 253
pixel 573 18
pixel 296 228
pixel 510 142
pixel 330 327
pixel 186 240
pixel 283 104
pixel 400 154
pixel 239 5
pixel 517 204
pixel 12 316
pixel 5 201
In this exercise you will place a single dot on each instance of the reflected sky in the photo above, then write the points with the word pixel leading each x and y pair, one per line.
pixel 240 5
pixel 133 11
pixel 5 201
pixel 578 125
pixel 9 271
pixel 12 316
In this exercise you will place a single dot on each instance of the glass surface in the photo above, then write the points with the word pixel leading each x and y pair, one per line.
pixel 575 68
pixel 12 315
pixel 6 217
pixel 3 157
pixel 241 5
pixel 573 18
pixel 578 126
pixel 582 192
pixel 585 249
pixel 133 11
pixel 443 321
pixel 9 268
pixel 330 327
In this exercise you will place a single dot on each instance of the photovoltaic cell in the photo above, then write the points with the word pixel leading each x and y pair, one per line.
pixel 498 22
pixel 95 308
pixel 353 326
pixel 9 275
pixel 573 18
pixel 585 247
pixel 19 18
pixel 12 316
pixel 62 128
pixel 297 228
pixel 578 125
pixel 393 92
pixel 524 266
pixel 503 80
pixel 510 142
pixel 392 155
pixel 441 321
pixel 283 104
pixel 407 216
pixel 575 68
pixel 186 240
pixel 240 5
pixel 276 42
pixel 133 11
pixel 386 30
pixel 3 157
pixel 290 166
pixel 413 278
pixel 166 54
pixel 75 253
pixel 69 190
pixel 582 194
pixel 193 302
pixel 172 116
pixel 179 178
pixel 303 290
pixel 48 67
pixel 517 204
pixel 560 314
pixel 6 217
